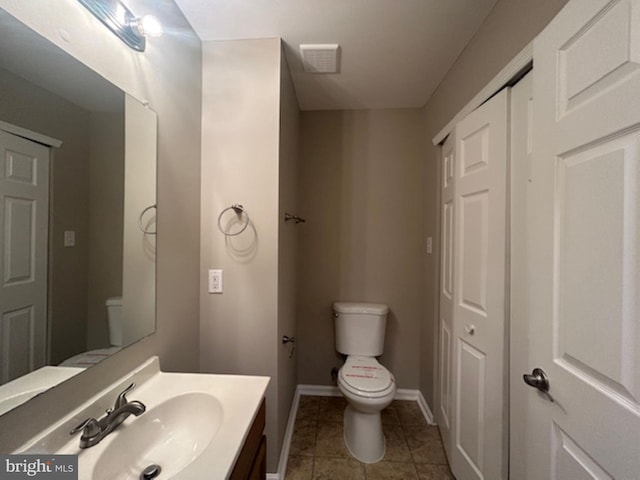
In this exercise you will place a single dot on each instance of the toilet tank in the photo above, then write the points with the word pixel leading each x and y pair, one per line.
pixel 360 328
pixel 114 315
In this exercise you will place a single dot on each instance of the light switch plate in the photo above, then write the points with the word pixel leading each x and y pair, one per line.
pixel 215 281
pixel 69 238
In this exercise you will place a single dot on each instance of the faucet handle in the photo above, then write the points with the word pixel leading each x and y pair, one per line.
pixel 122 399
pixel 89 428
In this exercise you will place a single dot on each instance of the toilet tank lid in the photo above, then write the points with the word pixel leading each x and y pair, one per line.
pixel 114 302
pixel 360 307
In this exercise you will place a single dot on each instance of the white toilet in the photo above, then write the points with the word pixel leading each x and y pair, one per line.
pixel 92 357
pixel 114 316
pixel 367 385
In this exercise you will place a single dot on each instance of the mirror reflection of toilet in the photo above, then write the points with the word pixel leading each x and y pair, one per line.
pixel 367 385
pixel 114 316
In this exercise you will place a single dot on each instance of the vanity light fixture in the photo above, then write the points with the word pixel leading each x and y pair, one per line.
pixel 130 29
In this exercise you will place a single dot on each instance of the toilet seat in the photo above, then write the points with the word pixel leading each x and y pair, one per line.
pixel 364 376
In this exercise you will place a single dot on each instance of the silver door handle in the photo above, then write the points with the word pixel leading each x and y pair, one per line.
pixel 538 379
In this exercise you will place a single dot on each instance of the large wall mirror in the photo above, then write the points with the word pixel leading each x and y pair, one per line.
pixel 77 211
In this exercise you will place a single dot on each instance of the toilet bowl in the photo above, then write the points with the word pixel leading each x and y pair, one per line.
pixel 367 385
pixel 369 388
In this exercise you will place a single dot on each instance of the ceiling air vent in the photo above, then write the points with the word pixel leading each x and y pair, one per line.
pixel 320 58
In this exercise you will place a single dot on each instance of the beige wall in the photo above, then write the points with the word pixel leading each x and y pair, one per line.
pixel 240 164
pixel 168 75
pixel 510 26
pixel 287 244
pixel 362 191
pixel 106 192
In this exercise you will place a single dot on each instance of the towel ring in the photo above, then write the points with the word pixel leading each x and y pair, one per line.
pixel 240 211
pixel 141 225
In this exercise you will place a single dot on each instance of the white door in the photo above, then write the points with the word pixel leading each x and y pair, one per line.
pixel 520 163
pixel 24 214
pixel 445 374
pixel 584 244
pixel 478 448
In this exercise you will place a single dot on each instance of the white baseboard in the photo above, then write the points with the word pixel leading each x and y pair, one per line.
pixel 416 396
pixel 332 391
pixel 319 390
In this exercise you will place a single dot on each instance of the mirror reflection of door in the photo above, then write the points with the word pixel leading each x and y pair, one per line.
pixel 24 196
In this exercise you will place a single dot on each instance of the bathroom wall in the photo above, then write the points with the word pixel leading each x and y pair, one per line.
pixel 27 105
pixel 168 75
pixel 241 163
pixel 106 204
pixel 362 192
pixel 288 234
pixel 510 26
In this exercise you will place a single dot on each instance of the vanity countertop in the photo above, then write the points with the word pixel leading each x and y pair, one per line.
pixel 21 389
pixel 194 427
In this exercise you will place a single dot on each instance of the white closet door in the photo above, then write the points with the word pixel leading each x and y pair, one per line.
pixel 584 244
pixel 479 292
pixel 445 398
pixel 520 171
pixel 24 216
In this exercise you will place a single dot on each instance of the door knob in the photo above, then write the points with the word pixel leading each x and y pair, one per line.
pixel 538 379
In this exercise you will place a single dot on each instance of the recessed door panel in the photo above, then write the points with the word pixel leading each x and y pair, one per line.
pixel 447 249
pixel 474 151
pixel 598 56
pixel 19 248
pixel 597 236
pixel 570 461
pixel 470 406
pixel 17 331
pixel 20 167
pixel 445 373
pixel 474 250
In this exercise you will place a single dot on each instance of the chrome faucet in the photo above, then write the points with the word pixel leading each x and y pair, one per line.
pixel 93 431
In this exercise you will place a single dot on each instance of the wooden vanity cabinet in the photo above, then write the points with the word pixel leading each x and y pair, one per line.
pixel 252 461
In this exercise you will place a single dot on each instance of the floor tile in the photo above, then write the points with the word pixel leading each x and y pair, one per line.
pixel 397 448
pixel 390 415
pixel 304 438
pixel 330 441
pixel 332 409
pixel 299 468
pixel 391 471
pixel 410 413
pixel 338 469
pixel 425 445
pixel 433 472
pixel 308 408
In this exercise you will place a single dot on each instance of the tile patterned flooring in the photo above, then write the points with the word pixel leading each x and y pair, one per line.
pixel 414 448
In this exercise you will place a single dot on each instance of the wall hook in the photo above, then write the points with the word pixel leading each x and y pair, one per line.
pixel 295 218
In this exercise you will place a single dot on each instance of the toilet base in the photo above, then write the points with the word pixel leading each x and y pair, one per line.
pixel 363 435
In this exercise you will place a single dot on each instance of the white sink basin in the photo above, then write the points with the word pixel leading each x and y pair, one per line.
pixel 194 426
pixel 172 435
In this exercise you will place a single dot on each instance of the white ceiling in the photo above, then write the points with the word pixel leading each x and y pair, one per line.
pixel 394 52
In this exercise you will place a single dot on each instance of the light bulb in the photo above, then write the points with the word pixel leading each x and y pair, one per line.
pixel 149 26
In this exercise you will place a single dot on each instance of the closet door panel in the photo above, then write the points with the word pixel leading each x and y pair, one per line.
pixel 478 450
